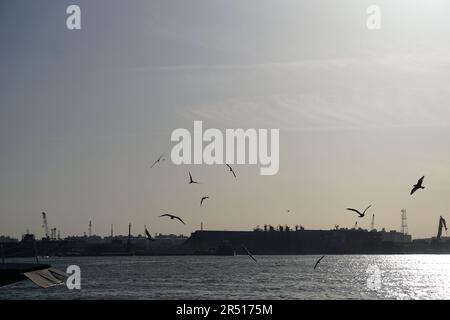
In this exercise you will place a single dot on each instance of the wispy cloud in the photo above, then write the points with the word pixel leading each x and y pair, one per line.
pixel 389 91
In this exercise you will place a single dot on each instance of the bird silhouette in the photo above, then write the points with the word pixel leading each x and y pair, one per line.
pixel 231 169
pixel 318 261
pixel 171 216
pixel 158 160
pixel 418 185
pixel 249 254
pixel 149 236
pixel 203 199
pixel 358 212
pixel 191 181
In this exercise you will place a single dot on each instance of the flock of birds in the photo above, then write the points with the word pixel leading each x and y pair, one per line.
pixel 417 186
pixel 202 200
pixel 191 181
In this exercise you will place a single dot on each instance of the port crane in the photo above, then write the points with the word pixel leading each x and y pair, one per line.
pixel 441 224
pixel 45 225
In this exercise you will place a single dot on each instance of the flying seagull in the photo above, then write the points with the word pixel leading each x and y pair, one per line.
pixel 171 216
pixel 203 199
pixel 231 169
pixel 418 185
pixel 249 254
pixel 149 237
pixel 159 159
pixel 318 261
pixel 191 181
pixel 359 213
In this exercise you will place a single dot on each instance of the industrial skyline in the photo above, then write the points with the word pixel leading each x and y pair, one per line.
pixel 46 231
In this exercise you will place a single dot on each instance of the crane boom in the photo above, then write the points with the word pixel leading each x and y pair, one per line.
pixel 45 225
pixel 441 224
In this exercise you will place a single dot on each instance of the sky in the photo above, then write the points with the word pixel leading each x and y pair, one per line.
pixel 84 113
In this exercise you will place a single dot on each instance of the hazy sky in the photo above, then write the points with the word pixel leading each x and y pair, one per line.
pixel 362 114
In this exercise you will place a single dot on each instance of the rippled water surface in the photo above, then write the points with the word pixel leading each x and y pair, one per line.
pixel 239 277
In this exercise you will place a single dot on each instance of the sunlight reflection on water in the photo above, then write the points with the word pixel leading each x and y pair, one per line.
pixel 272 277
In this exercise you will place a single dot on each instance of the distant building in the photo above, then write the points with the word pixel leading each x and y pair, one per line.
pixel 284 241
pixel 28 238
pixel 94 240
pixel 395 237
pixel 6 239
pixel 430 240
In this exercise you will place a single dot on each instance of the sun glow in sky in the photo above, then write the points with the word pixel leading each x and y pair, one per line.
pixel 362 114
